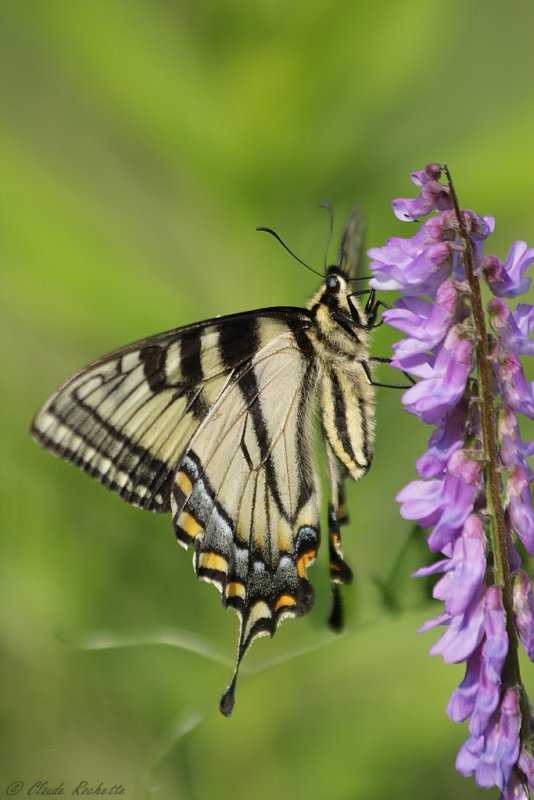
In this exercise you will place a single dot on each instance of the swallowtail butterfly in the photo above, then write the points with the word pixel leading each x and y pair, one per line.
pixel 213 423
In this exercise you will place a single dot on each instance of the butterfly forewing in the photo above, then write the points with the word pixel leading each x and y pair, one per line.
pixel 127 417
pixel 351 249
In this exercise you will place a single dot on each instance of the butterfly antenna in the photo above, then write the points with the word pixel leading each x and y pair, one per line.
pixel 284 245
pixel 330 210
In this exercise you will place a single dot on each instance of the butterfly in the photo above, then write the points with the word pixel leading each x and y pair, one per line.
pixel 213 422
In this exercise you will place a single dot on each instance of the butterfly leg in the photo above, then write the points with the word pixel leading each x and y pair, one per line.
pixel 371 309
pixel 367 370
pixel 340 572
pixel 387 360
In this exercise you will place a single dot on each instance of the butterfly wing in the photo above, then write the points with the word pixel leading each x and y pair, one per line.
pixel 212 422
pixel 351 249
pixel 245 491
pixel 127 418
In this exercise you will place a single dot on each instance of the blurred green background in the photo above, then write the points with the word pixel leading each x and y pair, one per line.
pixel 141 143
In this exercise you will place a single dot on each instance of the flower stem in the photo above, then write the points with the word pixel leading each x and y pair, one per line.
pixel 498 527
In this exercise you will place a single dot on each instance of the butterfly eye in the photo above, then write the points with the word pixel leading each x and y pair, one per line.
pixel 332 283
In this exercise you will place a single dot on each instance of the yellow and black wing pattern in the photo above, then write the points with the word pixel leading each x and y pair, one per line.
pixel 126 418
pixel 245 490
pixel 213 423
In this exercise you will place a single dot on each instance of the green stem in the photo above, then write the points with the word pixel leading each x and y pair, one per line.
pixel 498 528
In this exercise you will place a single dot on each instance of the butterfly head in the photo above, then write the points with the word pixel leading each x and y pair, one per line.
pixel 339 316
pixel 335 278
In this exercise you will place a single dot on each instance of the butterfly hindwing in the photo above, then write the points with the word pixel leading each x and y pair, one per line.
pixel 347 417
pixel 245 492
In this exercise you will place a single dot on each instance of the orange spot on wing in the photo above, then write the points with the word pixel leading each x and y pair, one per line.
pixel 235 589
pixel 189 524
pixel 304 561
pixel 213 561
pixel 184 483
pixel 285 600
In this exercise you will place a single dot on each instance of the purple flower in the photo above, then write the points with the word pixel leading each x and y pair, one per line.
pixel 506 279
pixel 464 570
pixel 492 756
pixel 467 567
pixel 448 437
pixel 496 635
pixel 494 652
pixel 433 195
pixel 463 634
pixel 512 449
pixel 432 172
pixel 520 510
pixel 413 266
pixel 444 504
pixel 479 693
pixel 485 594
pixel 486 699
pixel 516 390
pixel 462 702
pixel 443 384
pixel 516 788
pixel 524 610
pixel 478 228
pixel 526 765
pixel 514 328
pixel 425 323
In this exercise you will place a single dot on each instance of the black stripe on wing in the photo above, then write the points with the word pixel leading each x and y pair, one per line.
pixel 340 416
pixel 251 515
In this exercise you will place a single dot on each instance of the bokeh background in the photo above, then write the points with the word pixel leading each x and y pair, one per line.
pixel 141 143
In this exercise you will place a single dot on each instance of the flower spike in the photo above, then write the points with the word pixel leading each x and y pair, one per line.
pixel 475 489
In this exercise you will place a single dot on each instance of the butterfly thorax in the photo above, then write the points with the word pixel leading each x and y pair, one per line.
pixel 340 329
